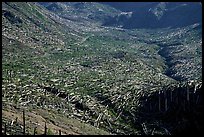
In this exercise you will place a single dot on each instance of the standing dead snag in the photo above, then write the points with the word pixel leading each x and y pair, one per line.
pixel 165 97
pixel 35 128
pixel 197 99
pixel 16 120
pixel 24 122
pixel 150 106
pixel 68 102
pixel 45 92
pixel 45 132
pixel 184 105
pixel 171 94
pixel 187 90
pixel 10 75
pixel 5 129
pixel 159 102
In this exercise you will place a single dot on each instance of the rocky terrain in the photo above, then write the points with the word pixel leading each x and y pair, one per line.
pixel 73 74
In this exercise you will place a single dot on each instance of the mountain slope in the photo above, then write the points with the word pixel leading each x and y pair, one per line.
pixel 158 14
pixel 82 11
pixel 64 68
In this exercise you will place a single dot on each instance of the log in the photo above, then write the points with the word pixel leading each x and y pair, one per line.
pixel 109 123
pixel 118 116
pixel 45 92
pixel 67 97
pixel 12 122
pixel 153 131
pixel 144 129
pixel 97 120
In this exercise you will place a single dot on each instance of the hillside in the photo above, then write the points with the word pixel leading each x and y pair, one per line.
pixel 66 69
pixel 86 12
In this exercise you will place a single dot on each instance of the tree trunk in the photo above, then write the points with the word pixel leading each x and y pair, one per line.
pixel 45 132
pixel 159 102
pixel 34 130
pixel 187 95
pixel 24 122
pixel 5 129
pixel 166 105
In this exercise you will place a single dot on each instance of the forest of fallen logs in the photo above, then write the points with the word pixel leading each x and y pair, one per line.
pixel 175 109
